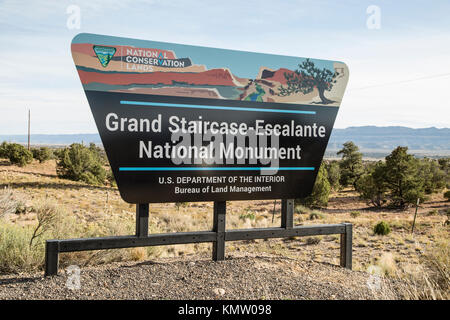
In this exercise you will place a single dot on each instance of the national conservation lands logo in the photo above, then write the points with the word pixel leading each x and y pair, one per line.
pixel 138 59
pixel 104 54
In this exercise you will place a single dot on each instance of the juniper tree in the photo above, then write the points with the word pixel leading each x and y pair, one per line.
pixel 42 154
pixel 80 163
pixel 18 154
pixel 320 192
pixel 351 164
pixel 334 174
pixel 402 178
pixel 371 186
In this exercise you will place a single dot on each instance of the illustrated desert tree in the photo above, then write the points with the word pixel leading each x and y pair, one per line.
pixel 306 78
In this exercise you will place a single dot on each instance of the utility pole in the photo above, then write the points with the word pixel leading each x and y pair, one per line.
pixel 29 125
pixel 415 215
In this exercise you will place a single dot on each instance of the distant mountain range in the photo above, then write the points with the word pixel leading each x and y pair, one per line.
pixel 379 141
pixel 373 141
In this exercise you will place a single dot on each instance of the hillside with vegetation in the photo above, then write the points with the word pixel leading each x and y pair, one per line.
pixel 69 192
pixel 374 142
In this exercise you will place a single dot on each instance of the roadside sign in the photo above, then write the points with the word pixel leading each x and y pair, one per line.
pixel 188 123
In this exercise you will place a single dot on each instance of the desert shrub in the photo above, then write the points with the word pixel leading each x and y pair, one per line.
pixel 11 202
pixel 316 215
pixel 387 264
pixel 355 214
pixel 382 228
pixel 22 248
pixel 21 206
pixel 18 154
pixel 42 154
pixel 248 215
pixel 7 202
pixel 321 190
pixel 47 214
pixel 312 240
pixel 15 252
pixel 351 164
pixel 80 163
pixel 300 209
pixel 447 195
pixel 179 205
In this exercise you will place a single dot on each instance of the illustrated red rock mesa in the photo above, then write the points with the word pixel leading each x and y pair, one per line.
pixel 221 77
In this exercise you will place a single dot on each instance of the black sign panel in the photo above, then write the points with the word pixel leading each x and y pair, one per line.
pixel 195 132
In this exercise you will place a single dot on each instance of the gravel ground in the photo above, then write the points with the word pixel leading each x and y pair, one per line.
pixel 238 277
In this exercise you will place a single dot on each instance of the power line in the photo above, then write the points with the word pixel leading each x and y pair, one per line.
pixel 403 81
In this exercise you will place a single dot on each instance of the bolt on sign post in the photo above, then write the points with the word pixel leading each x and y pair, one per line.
pixel 183 123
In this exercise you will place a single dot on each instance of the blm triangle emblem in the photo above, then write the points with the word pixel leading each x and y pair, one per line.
pixel 104 54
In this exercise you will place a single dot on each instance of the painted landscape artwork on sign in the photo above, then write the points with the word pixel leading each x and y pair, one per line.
pixel 157 68
pixel 189 123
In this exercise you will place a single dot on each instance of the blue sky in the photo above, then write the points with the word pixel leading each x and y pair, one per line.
pixel 399 74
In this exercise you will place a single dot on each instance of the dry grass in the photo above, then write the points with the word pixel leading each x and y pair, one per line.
pixel 420 260
pixel 11 202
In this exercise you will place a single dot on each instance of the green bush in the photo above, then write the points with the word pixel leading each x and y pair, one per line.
pixel 300 209
pixel 316 215
pixel 80 163
pixel 17 154
pixel 42 154
pixel 16 254
pixel 249 215
pixel 382 228
pixel 355 214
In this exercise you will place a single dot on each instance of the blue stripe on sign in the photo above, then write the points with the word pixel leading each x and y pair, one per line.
pixel 195 106
pixel 214 168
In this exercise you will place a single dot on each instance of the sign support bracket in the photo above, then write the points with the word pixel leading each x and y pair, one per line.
pixel 142 219
pixel 287 213
pixel 220 208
